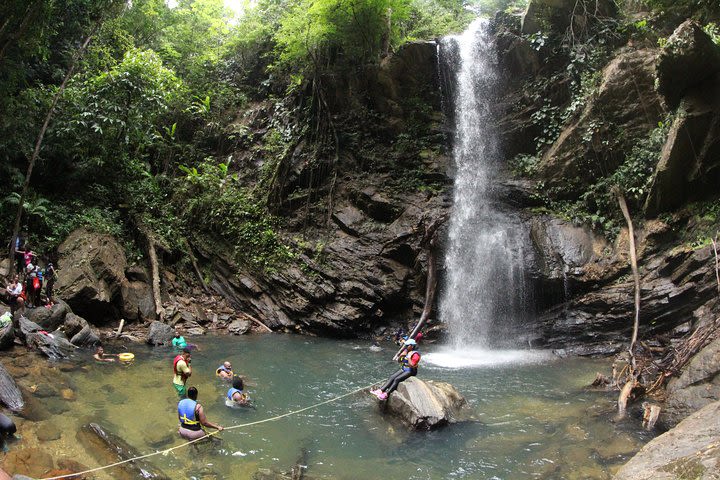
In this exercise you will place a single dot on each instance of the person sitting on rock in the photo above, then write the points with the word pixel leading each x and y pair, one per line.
pixel 182 370
pixel 409 359
pixel 192 417
pixel 17 301
pixel 235 395
pixel 100 355
pixel 224 371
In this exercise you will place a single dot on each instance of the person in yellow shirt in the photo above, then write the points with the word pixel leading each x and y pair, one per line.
pixel 182 371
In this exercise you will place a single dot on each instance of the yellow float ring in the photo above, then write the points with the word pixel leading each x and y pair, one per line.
pixel 126 357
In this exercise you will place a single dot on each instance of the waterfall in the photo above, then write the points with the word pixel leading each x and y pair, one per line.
pixel 484 294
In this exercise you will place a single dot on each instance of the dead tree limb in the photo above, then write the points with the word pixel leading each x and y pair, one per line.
pixel 636 275
pixel 193 260
pixel 150 244
pixel 717 265
pixel 429 243
pixel 257 322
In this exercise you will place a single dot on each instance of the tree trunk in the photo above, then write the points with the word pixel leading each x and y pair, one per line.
pixel 636 275
pixel 38 143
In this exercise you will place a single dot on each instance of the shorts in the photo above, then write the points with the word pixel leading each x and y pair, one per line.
pixel 181 390
pixel 191 434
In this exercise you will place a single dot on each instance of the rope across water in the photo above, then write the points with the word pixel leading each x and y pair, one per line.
pixel 182 445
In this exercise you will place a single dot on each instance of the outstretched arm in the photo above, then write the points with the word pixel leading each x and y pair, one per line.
pixel 203 419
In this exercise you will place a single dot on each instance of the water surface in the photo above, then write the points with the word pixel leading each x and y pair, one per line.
pixel 534 419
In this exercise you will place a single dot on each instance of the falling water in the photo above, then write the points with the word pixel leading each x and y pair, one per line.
pixel 484 293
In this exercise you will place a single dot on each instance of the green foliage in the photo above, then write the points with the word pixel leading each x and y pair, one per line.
pixel 524 165
pixel 598 204
pixel 213 202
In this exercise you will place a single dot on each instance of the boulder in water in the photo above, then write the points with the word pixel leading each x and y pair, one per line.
pixel 35 462
pixel 160 334
pixel 690 450
pixel 426 405
pixel 107 448
pixel 10 394
pixel 48 318
pixel 7 337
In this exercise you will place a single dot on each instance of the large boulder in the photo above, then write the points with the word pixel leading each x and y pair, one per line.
pixel 690 450
pixel 626 108
pixel 91 273
pixel 160 334
pixel 689 166
pixel 49 318
pixel 689 58
pixel 696 387
pixel 426 405
pixel 91 279
pixel 555 15
pixel 10 394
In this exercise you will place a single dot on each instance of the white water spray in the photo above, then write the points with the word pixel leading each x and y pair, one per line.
pixel 484 293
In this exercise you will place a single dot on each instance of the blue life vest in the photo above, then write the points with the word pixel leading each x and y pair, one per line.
pixel 222 368
pixel 186 414
pixel 406 362
pixel 232 392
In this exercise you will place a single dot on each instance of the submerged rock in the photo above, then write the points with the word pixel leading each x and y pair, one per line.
pixel 10 394
pixel 690 450
pixel 34 462
pixel 107 448
pixel 426 405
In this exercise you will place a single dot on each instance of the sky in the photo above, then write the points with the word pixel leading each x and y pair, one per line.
pixel 235 5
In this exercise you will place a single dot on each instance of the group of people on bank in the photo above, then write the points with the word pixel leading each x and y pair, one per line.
pixel 26 285
pixel 191 414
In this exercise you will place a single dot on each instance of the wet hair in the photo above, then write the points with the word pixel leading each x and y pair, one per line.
pixel 98 348
pixel 238 382
pixel 192 393
pixel 186 350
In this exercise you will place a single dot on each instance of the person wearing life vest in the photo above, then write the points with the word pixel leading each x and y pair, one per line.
pixel 224 371
pixel 409 360
pixel 192 417
pixel 182 371
pixel 235 394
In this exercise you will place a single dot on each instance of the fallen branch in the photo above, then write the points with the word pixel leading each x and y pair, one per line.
pixel 624 396
pixel 717 265
pixel 651 413
pixel 193 260
pixel 429 242
pixel 636 275
pixel 258 322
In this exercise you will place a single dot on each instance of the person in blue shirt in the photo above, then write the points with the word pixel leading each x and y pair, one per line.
pixel 192 417
pixel 179 341
pixel 235 395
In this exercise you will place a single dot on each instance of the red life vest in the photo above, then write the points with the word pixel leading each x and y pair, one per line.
pixel 175 362
pixel 36 283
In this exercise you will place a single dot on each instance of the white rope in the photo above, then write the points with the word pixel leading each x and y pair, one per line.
pixel 182 445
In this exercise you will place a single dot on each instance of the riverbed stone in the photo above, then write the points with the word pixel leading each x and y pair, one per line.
pixel 239 327
pixel 48 431
pixel 34 462
pixel 426 405
pixel 690 450
pixel 158 436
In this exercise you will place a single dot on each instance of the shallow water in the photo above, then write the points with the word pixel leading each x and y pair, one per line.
pixel 533 417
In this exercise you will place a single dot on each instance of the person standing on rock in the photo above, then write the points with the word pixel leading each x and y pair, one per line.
pixel 182 370
pixel 192 417
pixel 50 278
pixel 409 360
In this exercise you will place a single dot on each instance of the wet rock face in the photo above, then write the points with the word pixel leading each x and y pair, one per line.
pixel 697 386
pixel 688 59
pixel 426 405
pixel 690 450
pixel 674 286
pixel 689 166
pixel 592 147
